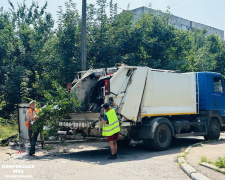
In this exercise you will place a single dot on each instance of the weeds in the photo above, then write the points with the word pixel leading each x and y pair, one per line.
pixel 205 159
pixel 8 130
pixel 182 154
pixel 220 162
pixel 49 147
pixel 63 143
pixel 183 149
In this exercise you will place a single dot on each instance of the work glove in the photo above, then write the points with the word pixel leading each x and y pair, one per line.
pixel 111 100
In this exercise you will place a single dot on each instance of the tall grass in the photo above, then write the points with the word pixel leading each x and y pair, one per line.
pixel 7 129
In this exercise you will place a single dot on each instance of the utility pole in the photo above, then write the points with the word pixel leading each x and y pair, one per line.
pixel 83 37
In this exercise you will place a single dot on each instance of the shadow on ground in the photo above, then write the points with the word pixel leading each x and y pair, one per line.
pixel 133 152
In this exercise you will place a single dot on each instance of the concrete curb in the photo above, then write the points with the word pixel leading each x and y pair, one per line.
pixel 213 167
pixel 188 169
pixel 198 176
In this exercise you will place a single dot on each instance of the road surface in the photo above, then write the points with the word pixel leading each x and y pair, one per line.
pixel 89 161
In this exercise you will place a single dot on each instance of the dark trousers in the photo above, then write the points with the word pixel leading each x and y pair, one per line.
pixel 33 142
pixel 30 135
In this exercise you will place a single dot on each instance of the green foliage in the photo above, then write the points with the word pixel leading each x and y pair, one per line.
pixel 36 60
pixel 58 103
pixel 23 34
pixel 220 162
pixel 67 44
pixel 205 159
pixel 7 129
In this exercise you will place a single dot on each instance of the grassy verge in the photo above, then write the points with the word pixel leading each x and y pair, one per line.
pixel 220 162
pixel 8 130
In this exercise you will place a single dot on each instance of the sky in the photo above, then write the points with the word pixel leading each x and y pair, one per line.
pixel 208 12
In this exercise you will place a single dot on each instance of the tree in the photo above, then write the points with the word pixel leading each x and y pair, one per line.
pixel 67 45
pixel 33 55
pixel 24 33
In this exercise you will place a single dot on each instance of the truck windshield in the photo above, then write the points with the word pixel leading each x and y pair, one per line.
pixel 218 84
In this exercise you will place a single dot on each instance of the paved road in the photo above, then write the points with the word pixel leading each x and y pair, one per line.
pixel 89 161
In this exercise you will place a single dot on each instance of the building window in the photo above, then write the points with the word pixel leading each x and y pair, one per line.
pixel 183 27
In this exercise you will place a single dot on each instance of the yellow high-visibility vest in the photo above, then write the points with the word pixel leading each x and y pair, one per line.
pixel 113 126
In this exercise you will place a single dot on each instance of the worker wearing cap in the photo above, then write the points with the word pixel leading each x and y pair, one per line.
pixel 31 116
pixel 111 128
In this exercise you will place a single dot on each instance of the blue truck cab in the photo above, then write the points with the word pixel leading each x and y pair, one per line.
pixel 211 95
pixel 211 92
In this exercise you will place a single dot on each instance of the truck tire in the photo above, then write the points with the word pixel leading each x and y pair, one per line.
pixel 162 138
pixel 213 130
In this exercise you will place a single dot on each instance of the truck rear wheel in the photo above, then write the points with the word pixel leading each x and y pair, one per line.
pixel 213 130
pixel 162 138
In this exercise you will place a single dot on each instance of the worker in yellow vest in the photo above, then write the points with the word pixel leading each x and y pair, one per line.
pixel 111 128
pixel 31 116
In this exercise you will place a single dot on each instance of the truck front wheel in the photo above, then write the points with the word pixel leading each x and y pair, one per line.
pixel 213 130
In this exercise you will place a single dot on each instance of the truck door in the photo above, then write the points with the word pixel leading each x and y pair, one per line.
pixel 219 98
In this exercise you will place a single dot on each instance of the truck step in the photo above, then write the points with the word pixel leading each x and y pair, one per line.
pixel 187 123
pixel 190 134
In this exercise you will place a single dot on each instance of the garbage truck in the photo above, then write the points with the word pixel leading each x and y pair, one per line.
pixel 154 105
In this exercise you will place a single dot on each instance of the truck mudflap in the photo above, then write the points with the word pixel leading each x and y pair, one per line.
pixel 147 129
